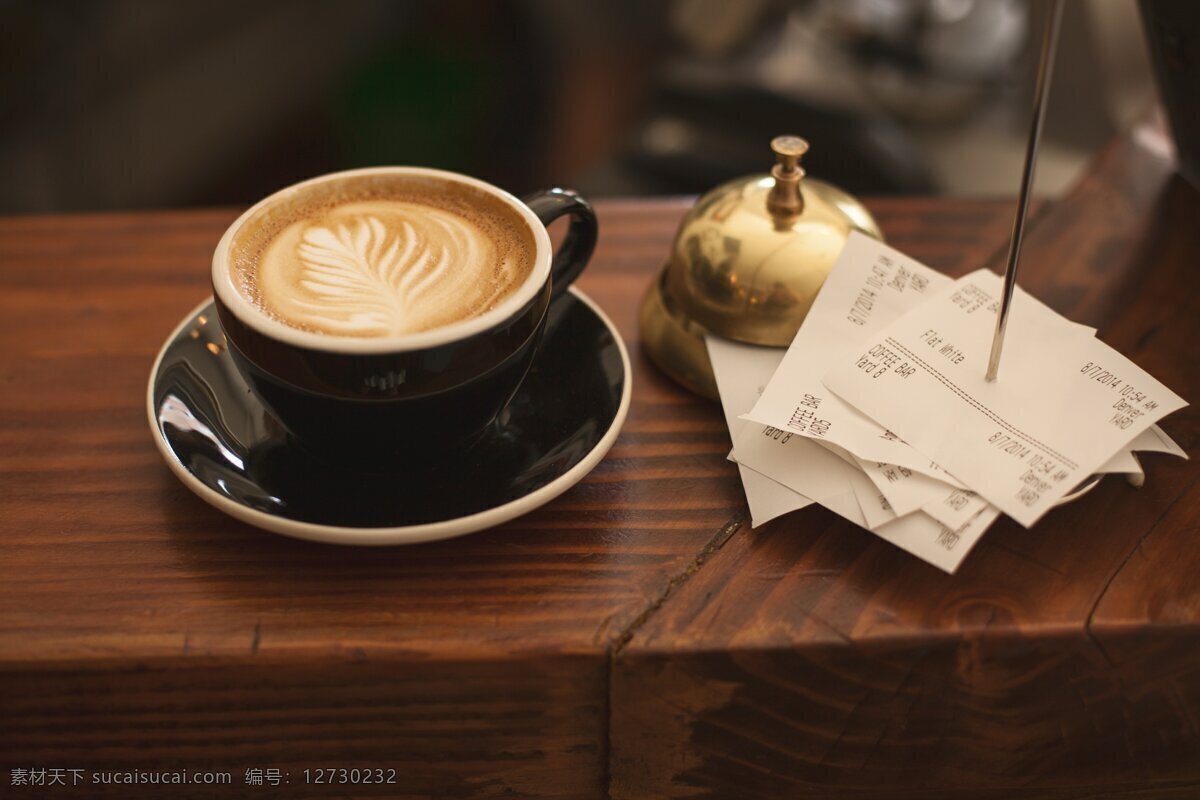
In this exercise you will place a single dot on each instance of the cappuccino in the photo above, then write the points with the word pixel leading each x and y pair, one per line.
pixel 381 255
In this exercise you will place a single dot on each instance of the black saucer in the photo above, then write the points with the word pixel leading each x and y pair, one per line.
pixel 220 441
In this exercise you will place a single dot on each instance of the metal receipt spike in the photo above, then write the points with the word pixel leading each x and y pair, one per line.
pixel 1045 69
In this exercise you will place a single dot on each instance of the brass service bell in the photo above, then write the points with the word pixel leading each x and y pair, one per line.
pixel 746 264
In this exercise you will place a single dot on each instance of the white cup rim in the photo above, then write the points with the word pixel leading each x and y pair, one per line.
pixel 241 307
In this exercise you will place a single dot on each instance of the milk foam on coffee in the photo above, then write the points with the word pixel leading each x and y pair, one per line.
pixel 383 256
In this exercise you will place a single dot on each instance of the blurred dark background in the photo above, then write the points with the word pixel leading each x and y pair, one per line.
pixel 139 104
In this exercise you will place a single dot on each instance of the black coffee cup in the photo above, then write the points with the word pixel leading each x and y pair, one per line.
pixel 407 395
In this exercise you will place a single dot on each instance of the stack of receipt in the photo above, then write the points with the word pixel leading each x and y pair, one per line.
pixel 879 409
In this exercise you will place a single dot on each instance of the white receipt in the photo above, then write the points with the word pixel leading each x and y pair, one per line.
pixel 807 467
pixel 801 465
pixel 955 508
pixel 1064 402
pixel 936 543
pixel 947 501
pixel 768 498
pixel 741 371
pixel 900 486
pixel 905 489
pixel 876 508
pixel 870 286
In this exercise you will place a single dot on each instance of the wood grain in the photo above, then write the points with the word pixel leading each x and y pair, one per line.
pixel 809 659
pixel 140 628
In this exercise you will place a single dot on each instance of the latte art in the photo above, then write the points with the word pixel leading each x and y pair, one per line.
pixel 387 266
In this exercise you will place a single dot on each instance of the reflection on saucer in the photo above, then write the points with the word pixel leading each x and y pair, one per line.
pixel 220 441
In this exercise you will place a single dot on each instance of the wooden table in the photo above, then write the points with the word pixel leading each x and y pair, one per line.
pixel 634 638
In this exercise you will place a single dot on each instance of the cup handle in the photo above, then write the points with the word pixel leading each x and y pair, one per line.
pixel 577 246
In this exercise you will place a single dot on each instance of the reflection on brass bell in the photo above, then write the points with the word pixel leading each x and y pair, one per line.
pixel 746 264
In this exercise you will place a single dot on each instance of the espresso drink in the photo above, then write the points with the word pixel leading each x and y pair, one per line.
pixel 381 255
